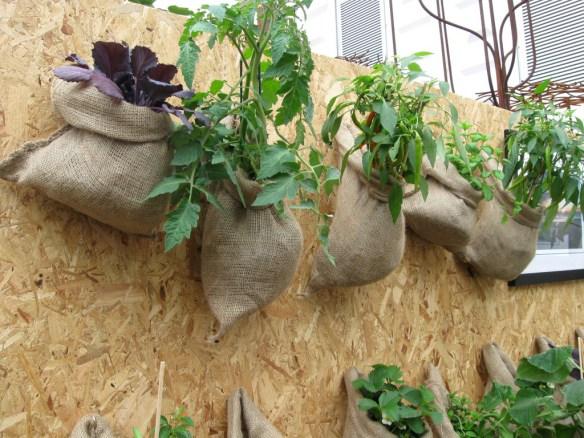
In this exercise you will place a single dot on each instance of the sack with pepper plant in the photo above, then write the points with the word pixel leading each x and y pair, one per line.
pixel 113 150
pixel 542 173
pixel 251 242
pixel 377 123
pixel 457 182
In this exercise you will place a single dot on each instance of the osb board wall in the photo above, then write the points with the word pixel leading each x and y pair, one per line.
pixel 87 313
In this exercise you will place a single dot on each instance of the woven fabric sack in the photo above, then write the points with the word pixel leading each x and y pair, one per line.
pixel 436 384
pixel 245 420
pixel 357 423
pixel 103 164
pixel 249 255
pixel 448 215
pixel 92 426
pixel 502 249
pixel 365 242
pixel 500 368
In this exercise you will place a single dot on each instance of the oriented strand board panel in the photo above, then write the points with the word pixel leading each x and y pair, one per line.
pixel 87 313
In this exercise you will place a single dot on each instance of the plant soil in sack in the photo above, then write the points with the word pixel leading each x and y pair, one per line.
pixel 436 384
pixel 364 240
pixel 448 215
pixel 502 245
pixel 104 163
pixel 249 254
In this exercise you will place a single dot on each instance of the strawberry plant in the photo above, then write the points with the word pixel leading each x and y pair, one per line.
pixel 544 156
pixel 399 407
pixel 387 107
pixel 546 404
pixel 469 152
pixel 177 427
pixel 271 93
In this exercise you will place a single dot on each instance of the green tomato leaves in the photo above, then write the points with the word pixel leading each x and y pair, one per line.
pixel 180 222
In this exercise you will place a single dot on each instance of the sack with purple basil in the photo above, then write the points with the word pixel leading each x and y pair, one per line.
pixel 367 245
pixel 113 151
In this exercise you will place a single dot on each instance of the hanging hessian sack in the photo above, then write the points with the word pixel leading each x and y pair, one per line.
pixel 92 426
pixel 500 368
pixel 104 163
pixel 435 383
pixel 244 419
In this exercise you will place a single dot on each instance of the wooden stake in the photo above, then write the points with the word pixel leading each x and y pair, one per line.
pixel 581 355
pixel 159 399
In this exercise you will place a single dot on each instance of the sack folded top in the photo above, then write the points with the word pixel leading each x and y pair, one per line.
pixel 85 107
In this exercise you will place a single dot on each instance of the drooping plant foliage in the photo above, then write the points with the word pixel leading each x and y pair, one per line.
pixel 388 107
pixel 272 93
pixel 546 405
pixel 399 407
pixel 545 157
pixel 178 426
pixel 133 75
pixel 469 152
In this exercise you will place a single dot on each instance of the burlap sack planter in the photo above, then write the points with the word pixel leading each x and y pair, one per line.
pixel 448 215
pixel 436 384
pixel 103 164
pixel 502 249
pixel 500 368
pixel 365 242
pixel 249 255
pixel 244 419
pixel 92 426
pixel 357 423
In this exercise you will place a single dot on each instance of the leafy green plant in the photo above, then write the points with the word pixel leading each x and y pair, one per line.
pixel 546 404
pixel 469 152
pixel 399 407
pixel 387 107
pixel 544 156
pixel 271 93
pixel 177 427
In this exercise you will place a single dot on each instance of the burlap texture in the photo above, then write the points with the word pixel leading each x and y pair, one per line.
pixel 104 164
pixel 244 419
pixel 357 423
pixel 92 426
pixel 249 255
pixel 436 384
pixel 448 215
pixel 502 250
pixel 500 368
pixel 365 242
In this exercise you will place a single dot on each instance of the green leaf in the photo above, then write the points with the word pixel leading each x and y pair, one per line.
pixel 275 160
pixel 366 404
pixel 387 116
pixel 524 411
pixel 284 186
pixel 136 433
pixel 408 412
pixel 144 2
pixel 180 222
pixel 332 179
pixel 307 204
pixel 396 196
pixel 216 86
pixel 180 10
pixel 187 154
pixel 168 185
pixel 416 424
pixel 217 10
pixel 280 43
pixel 551 360
pixel 415 67
pixel 188 421
pixel 270 89
pixel 187 60
pixel 574 393
pixel 444 88
pixel 204 26
pixel 388 398
pixel 542 87
pixel 430 147
pixel 453 114
pixel 424 188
